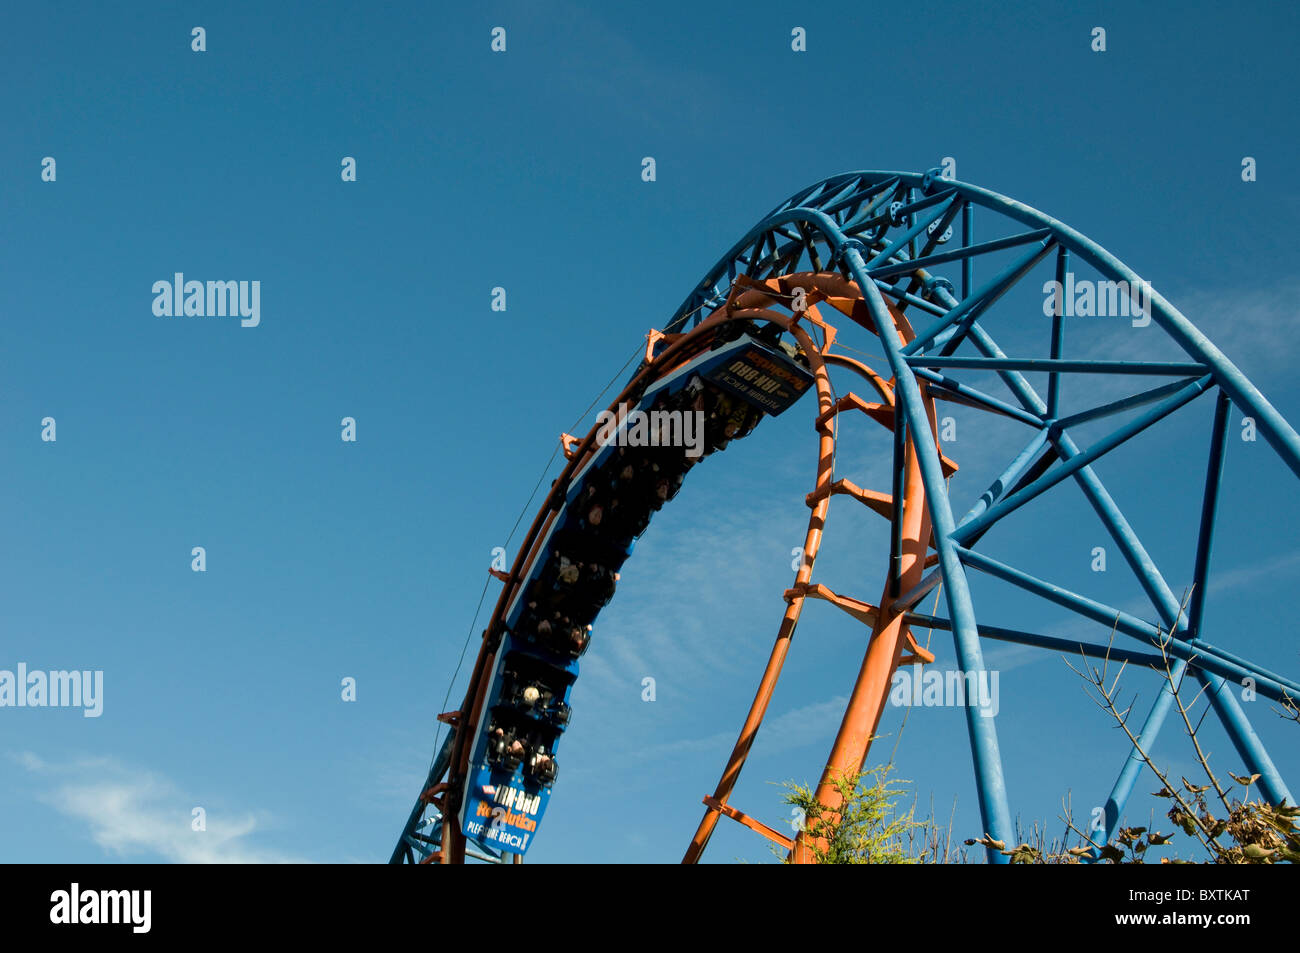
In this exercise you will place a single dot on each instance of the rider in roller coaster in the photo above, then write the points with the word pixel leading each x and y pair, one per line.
pixel 595 536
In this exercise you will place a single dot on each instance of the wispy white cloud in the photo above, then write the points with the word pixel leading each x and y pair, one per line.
pixel 1246 323
pixel 677 606
pixel 137 814
pixel 792 729
pixel 1244 576
pixel 1007 656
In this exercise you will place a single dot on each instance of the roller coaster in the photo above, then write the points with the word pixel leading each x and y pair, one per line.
pixel 882 253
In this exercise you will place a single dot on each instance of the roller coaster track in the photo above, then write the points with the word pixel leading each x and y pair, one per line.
pixel 872 249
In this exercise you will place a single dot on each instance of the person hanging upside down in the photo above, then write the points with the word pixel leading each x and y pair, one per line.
pixel 542 765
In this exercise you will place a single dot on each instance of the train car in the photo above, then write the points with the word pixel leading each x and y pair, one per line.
pixel 710 397
pixel 513 761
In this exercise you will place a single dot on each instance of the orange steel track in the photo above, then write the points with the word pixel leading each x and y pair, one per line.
pixel 891 642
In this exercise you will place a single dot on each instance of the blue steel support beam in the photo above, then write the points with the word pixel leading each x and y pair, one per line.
pixel 1226 706
pixel 1179 368
pixel 975 397
pixel 1078 461
pixel 1066 646
pixel 881 187
pixel 961 314
pixel 1203 656
pixel 866 214
pixel 1244 394
pixel 1146 737
pixel 906 297
pixel 1119 406
pixel 1215 667
pixel 1123 788
pixel 933 234
pixel 436 771
pixel 1131 547
pixel 897 489
pixel 1209 507
pixel 1011 475
pixel 991 784
pixel 911 223
pixel 1243 736
pixel 939 258
pixel 1202 646
pixel 934 198
pixel 1225 703
pixel 898 244
pixel 1058 332
pixel 968 242
pixel 867 192
pixel 1112 518
pixel 1023 469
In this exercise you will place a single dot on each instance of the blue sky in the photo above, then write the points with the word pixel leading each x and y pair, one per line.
pixel 328 560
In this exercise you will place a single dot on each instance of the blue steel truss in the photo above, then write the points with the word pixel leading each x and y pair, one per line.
pixel 886 231
pixel 890 232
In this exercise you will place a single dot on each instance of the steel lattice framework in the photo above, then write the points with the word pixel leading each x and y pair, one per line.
pixel 875 247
